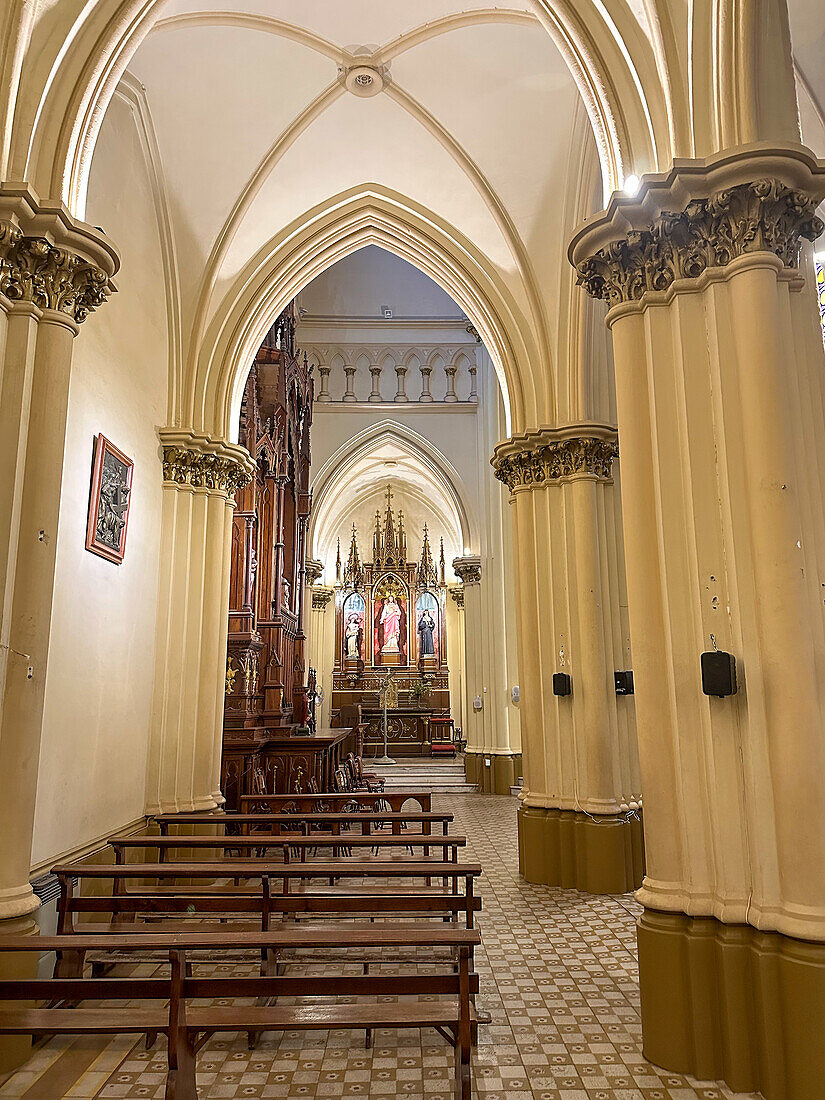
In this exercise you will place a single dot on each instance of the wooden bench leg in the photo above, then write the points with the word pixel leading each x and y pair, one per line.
pixel 180 1077
pixel 463 1083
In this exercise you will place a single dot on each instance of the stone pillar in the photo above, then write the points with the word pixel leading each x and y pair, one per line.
pixel 323 393
pixel 53 273
pixel 322 651
pixel 720 386
pixel 579 820
pixel 451 395
pixel 489 759
pixel 456 658
pixel 468 570
pixel 401 383
pixel 375 379
pixel 200 477
pixel 473 371
pixel 349 392
pixel 426 372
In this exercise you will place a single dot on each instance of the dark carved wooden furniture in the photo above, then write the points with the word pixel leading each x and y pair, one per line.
pixel 307 803
pixel 286 763
pixel 266 676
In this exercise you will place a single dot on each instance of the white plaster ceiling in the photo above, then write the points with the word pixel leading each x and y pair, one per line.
pixel 254 127
pixel 808 43
pixel 357 490
pixel 479 123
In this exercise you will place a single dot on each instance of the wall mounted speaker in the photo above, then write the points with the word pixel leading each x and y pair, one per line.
pixel 624 683
pixel 562 684
pixel 718 674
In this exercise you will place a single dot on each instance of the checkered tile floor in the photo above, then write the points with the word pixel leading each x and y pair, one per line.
pixel 558 975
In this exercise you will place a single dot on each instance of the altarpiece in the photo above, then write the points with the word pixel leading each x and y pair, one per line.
pixel 391 614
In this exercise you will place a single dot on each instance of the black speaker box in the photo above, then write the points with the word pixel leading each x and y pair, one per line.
pixel 718 674
pixel 624 683
pixel 562 684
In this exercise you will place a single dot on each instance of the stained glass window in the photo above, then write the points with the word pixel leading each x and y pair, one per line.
pixel 819 263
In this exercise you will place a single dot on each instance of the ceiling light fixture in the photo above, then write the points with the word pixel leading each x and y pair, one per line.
pixel 631 185
pixel 364 81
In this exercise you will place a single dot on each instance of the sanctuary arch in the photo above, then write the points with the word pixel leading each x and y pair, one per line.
pixel 679 514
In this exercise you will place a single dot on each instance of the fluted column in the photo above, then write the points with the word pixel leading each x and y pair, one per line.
pixel 720 383
pixel 579 822
pixel 468 570
pixel 200 477
pixel 322 651
pixel 53 273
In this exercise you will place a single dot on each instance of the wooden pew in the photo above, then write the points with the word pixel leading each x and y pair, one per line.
pixel 448 844
pixel 276 823
pixel 189 1028
pixel 236 898
pixel 307 803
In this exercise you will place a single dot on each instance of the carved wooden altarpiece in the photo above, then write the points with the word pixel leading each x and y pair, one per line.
pixel 266 740
pixel 390 614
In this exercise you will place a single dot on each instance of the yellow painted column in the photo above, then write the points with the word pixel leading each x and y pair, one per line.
pixel 456 659
pixel 579 823
pixel 200 477
pixel 323 615
pixel 53 273
pixel 720 389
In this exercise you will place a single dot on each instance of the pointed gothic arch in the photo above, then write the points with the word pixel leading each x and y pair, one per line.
pixel 338 467
pixel 208 396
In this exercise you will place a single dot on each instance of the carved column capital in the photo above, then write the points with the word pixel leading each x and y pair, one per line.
pixel 321 597
pixel 313 570
pixel 701 216
pixel 199 462
pixel 538 458
pixel 457 596
pixel 468 569
pixel 48 259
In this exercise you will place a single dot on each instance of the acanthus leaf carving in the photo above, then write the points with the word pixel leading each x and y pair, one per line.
pixel 536 465
pixel 203 470
pixel 761 216
pixel 33 270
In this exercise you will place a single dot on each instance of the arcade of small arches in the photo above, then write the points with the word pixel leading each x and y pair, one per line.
pixel 479 349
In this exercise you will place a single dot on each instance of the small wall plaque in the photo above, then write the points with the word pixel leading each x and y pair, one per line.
pixel 109 499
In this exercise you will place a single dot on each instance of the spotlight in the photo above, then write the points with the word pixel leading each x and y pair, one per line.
pixel 631 185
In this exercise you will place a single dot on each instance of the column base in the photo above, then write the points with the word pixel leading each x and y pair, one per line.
pixel 603 855
pixel 728 1002
pixel 17 966
pixel 501 775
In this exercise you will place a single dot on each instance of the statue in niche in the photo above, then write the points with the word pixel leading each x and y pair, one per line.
pixel 426 628
pixel 352 637
pixel 390 621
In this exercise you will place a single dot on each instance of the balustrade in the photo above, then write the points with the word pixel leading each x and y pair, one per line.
pixel 459 385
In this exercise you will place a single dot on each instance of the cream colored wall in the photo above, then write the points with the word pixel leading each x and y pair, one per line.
pixel 101 657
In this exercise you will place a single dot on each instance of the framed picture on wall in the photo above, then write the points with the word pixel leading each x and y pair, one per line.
pixel 109 499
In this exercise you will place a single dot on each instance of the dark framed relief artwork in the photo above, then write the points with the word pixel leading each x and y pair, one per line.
pixel 109 501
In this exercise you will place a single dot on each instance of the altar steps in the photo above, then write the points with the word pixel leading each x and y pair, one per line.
pixel 439 776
